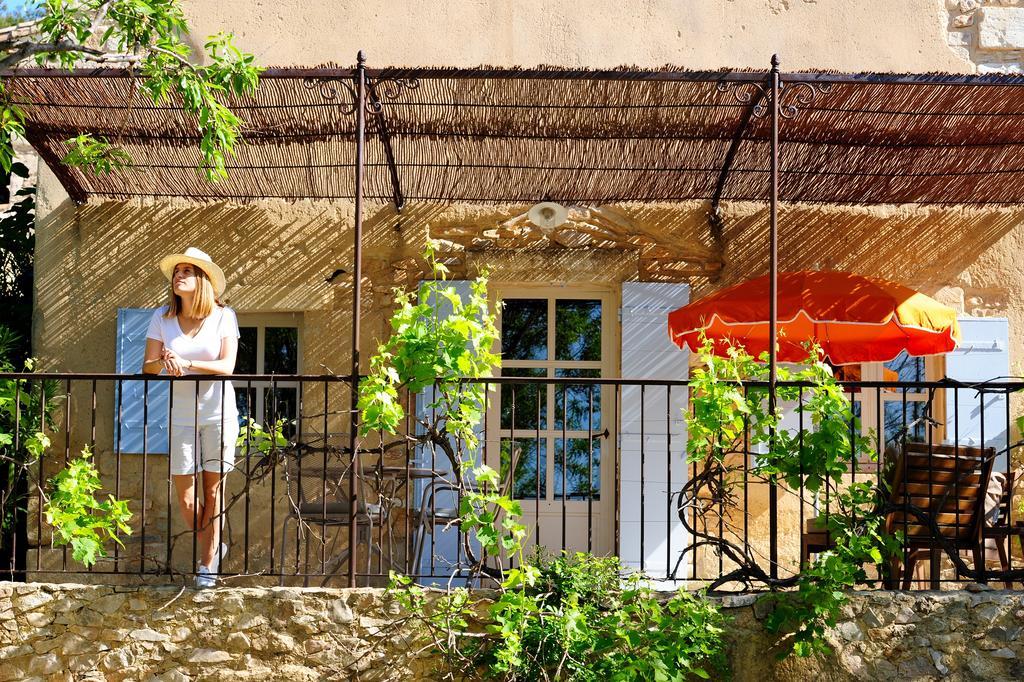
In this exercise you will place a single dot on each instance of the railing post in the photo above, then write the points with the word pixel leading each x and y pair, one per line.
pixel 773 229
pixel 357 274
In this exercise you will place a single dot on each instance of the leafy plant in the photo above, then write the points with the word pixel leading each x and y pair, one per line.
pixel 729 416
pixel 573 617
pixel 431 350
pixel 253 437
pixel 78 518
pixel 147 35
pixel 25 409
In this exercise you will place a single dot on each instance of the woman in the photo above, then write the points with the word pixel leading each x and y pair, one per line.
pixel 196 334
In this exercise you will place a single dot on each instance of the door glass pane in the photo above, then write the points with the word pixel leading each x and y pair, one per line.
pixel 529 460
pixel 574 401
pixel 912 424
pixel 571 471
pixel 281 403
pixel 524 329
pixel 577 330
pixel 525 399
pixel 246 403
pixel 281 350
pixel 904 368
pixel 245 361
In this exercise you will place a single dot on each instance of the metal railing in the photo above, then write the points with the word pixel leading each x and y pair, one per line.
pixel 597 465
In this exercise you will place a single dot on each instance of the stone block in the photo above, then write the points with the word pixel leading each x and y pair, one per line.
pixel 31 600
pixel 341 612
pixel 850 631
pixel 238 641
pixel 906 615
pixel 118 660
pixel 992 67
pixel 149 635
pixel 209 656
pixel 39 619
pixel 109 604
pixel 1001 28
pixel 46 664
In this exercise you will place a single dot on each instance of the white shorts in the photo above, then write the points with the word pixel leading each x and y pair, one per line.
pixel 216 450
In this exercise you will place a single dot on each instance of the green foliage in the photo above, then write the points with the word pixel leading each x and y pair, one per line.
pixel 95 154
pixel 573 617
pixel 729 415
pixel 17 249
pixel 427 350
pixel 25 410
pixel 252 437
pixel 858 533
pixel 493 518
pixel 70 31
pixel 78 518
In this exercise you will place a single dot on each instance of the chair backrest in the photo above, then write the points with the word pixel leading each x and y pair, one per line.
pixel 947 482
pixel 310 483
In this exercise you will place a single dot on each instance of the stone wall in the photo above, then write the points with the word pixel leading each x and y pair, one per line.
pixel 77 632
pixel 989 33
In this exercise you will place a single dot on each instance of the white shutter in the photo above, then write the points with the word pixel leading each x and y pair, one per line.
pixel 659 443
pixel 445 547
pixel 983 355
pixel 132 324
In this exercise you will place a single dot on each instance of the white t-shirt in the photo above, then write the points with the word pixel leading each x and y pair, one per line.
pixel 205 345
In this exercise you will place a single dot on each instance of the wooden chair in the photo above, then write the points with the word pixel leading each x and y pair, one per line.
pixel 948 483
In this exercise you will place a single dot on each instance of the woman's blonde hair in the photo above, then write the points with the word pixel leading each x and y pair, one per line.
pixel 202 302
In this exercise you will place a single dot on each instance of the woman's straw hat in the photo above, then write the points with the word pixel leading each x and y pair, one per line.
pixel 200 260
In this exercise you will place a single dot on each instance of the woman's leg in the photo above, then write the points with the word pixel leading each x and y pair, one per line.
pixel 191 506
pixel 210 521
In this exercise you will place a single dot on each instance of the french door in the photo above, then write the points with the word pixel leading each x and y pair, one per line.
pixel 553 441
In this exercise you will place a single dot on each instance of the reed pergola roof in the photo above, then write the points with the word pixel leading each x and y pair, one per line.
pixel 508 135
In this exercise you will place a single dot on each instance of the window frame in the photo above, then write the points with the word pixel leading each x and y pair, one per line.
pixel 262 321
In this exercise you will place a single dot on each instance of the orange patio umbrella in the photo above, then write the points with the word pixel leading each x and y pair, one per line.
pixel 852 317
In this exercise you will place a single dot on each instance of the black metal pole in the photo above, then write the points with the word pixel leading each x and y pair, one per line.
pixel 773 278
pixel 357 274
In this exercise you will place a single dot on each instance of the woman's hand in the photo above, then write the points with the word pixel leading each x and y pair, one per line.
pixel 173 363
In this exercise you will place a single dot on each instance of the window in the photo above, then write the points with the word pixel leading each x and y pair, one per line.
pixel 268 344
pixel 889 412
pixel 560 336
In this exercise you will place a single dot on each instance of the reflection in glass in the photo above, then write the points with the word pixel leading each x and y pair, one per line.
pixel 524 329
pixel 904 368
pixel 575 400
pixel 913 425
pixel 245 361
pixel 281 350
pixel 527 465
pixel 246 404
pixel 525 397
pixel 577 330
pixel 577 462
pixel 282 403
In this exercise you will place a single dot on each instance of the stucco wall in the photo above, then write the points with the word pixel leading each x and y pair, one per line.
pixel 808 34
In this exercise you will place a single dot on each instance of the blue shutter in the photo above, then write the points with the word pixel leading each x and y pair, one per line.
pixel 445 548
pixel 649 353
pixel 983 355
pixel 132 324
